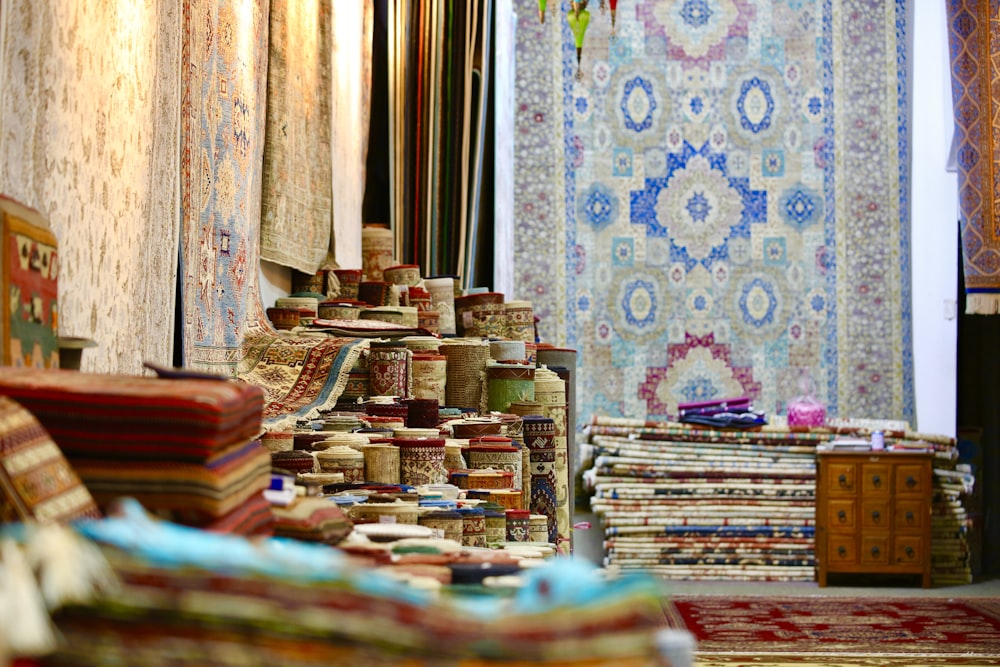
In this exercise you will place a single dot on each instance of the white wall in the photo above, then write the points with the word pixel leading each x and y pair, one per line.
pixel 934 213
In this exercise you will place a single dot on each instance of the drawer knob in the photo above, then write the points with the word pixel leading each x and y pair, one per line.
pixel 909 517
pixel 876 481
pixel 876 517
pixel 911 482
pixel 842 551
pixel 842 479
pixel 842 515
pixel 875 552
pixel 909 552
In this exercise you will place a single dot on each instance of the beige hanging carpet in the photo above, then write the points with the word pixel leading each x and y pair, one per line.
pixel 296 196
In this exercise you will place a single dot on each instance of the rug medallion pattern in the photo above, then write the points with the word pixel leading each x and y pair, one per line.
pixel 736 200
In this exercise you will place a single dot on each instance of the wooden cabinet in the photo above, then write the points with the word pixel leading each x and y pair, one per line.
pixel 873 513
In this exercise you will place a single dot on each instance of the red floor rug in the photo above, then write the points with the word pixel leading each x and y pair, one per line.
pixel 839 631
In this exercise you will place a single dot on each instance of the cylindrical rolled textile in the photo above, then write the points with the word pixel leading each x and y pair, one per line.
pixel 419 298
pixel 374 292
pixel 422 413
pixel 400 511
pixel 383 314
pixel 339 310
pixel 278 441
pixel 377 250
pixel 448 522
pixel 381 464
pixel 474 427
pixel 442 295
pixel 389 369
pixel 506 383
pixel 481 315
pixel 341 439
pixel 518 525
pixel 430 376
pixel 410 316
pixel 429 320
pixel 520 318
pixel 498 457
pixel 507 351
pixel 421 343
pixel 343 423
pixel 309 282
pixel 295 461
pixel 421 461
pixel 453 456
pixel 550 391
pixel 342 459
pixel 349 280
pixel 539 433
pixel 467 359
pixel 496 525
pixel 526 408
pixel 538 528
pixel 473 526
pixel 402 274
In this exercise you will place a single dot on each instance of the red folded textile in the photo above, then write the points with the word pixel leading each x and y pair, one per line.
pixel 92 415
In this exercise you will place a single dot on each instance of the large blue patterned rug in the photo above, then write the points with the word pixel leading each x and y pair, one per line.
pixel 718 207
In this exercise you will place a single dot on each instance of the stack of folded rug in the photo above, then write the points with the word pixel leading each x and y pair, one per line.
pixel 186 448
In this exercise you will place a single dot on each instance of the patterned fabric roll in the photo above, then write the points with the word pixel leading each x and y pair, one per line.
pixel 429 320
pixel 539 434
pixel 496 525
pixel 550 391
pixel 341 439
pixel 402 274
pixel 377 251
pixel 308 282
pixel 498 457
pixel 507 351
pixel 381 464
pixel 430 376
pixel 345 460
pixel 349 280
pixel 278 441
pixel 422 413
pixel 526 408
pixel 393 315
pixel 467 359
pixel 538 528
pixel 421 461
pixel 473 526
pixel 442 295
pixel 417 344
pixel 419 298
pixel 520 319
pixel 506 383
pixel 481 315
pixel 518 525
pixel 374 292
pixel 449 522
pixel 389 369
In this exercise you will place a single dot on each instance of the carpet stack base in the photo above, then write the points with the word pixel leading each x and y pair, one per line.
pixel 691 503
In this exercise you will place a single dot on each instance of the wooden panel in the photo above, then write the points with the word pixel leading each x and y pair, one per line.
pixel 841 515
pixel 910 479
pixel 908 549
pixel 874 549
pixel 841 550
pixel 875 479
pixel 842 479
pixel 875 514
pixel 911 515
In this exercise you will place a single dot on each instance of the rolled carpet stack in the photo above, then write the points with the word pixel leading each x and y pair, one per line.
pixel 185 448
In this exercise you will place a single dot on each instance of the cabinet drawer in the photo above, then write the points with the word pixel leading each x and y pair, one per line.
pixel 910 515
pixel 841 515
pixel 875 514
pixel 875 480
pixel 841 550
pixel 910 479
pixel 909 550
pixel 874 549
pixel 841 481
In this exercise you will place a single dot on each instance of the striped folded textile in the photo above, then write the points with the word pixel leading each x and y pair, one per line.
pixel 203 491
pixel 93 415
pixel 312 519
pixel 252 518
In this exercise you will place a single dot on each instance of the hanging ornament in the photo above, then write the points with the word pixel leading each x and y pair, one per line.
pixel 578 20
pixel 541 10
pixel 614 10
pixel 577 5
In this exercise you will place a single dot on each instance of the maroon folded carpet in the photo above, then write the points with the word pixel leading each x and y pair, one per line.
pixel 135 417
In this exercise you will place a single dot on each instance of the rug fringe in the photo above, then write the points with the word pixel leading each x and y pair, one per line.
pixel 982 304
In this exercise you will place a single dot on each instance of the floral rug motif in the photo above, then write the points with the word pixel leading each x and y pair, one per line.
pixel 831 630
pixel 731 213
